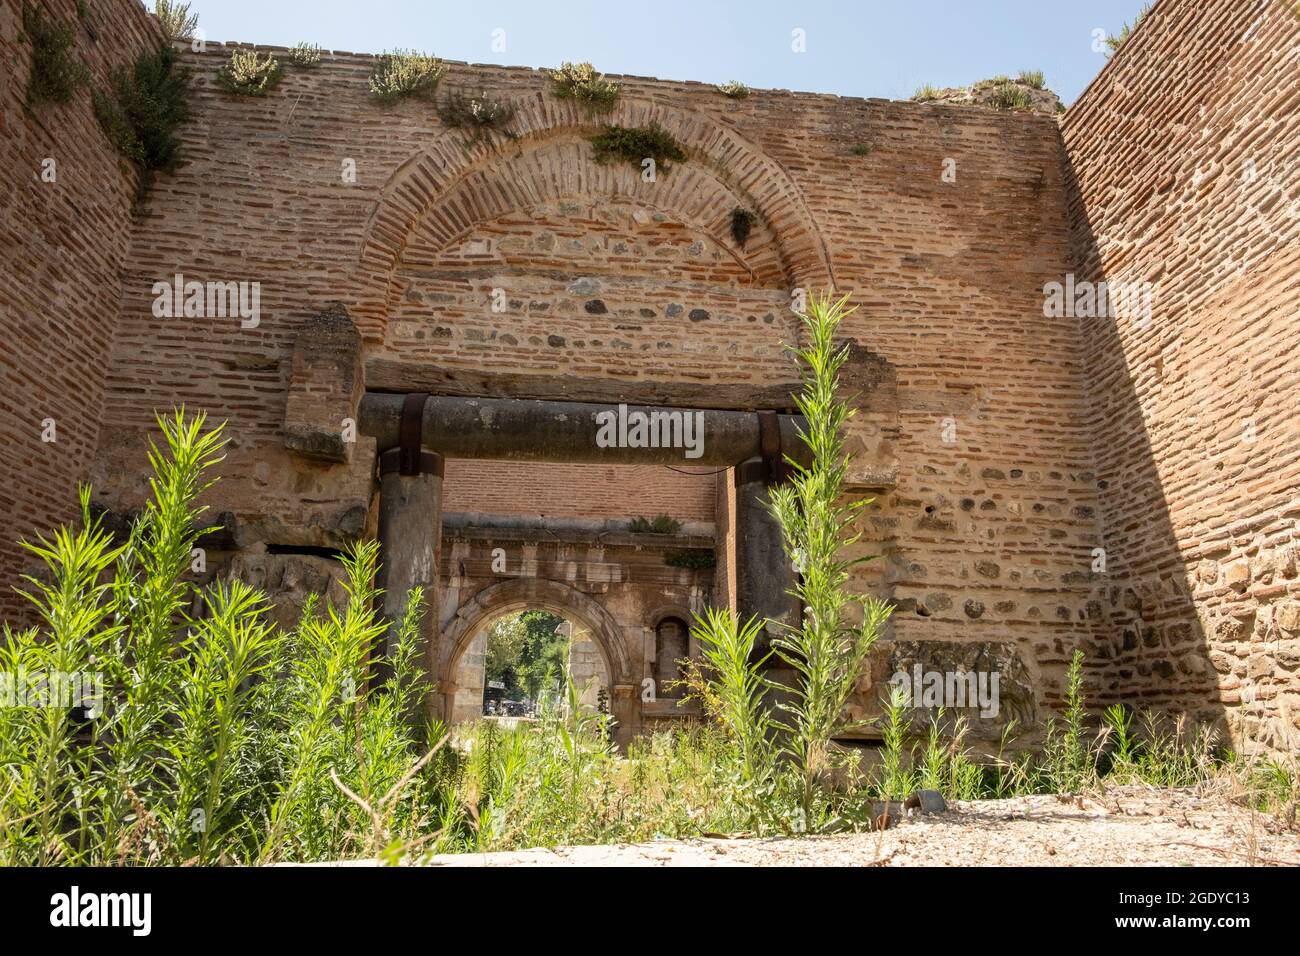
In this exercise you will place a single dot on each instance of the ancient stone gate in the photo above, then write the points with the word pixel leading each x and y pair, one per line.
pixel 633 593
pixel 1006 444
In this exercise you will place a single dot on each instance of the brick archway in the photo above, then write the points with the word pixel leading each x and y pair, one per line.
pixel 520 594
pixel 461 188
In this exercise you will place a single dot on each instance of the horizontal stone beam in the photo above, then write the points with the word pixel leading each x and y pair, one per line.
pixel 393 375
pixel 525 430
pixel 691 534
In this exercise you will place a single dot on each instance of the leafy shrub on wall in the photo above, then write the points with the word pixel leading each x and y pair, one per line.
pixel 249 75
pixel 405 73
pixel 145 106
pixel 55 74
pixel 581 82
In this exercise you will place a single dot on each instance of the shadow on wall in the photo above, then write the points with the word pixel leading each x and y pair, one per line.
pixel 1152 651
pixel 1196 441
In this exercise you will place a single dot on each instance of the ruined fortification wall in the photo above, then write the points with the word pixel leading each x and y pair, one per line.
pixel 1008 449
pixel 64 232
pixel 1182 157
pixel 973 427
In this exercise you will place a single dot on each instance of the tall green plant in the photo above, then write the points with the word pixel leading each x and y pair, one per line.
pixel 826 650
pixel 224 660
pixel 736 694
pixel 895 776
pixel 47 773
pixel 327 677
pixel 151 598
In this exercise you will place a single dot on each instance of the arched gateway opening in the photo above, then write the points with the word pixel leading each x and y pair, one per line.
pixel 513 302
pixel 633 586
pixel 595 654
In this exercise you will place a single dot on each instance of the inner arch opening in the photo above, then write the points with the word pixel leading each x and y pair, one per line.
pixel 521 661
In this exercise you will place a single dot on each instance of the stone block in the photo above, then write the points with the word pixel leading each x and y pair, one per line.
pixel 1237 575
pixel 325 386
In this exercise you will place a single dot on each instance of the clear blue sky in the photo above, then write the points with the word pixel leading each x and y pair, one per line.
pixel 864 48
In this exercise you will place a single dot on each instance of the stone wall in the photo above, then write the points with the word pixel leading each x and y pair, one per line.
pixel 1001 442
pixel 65 227
pixel 612 588
pixel 617 289
pixel 1182 162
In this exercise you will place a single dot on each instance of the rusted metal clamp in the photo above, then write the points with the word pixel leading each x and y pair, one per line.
pixel 409 458
pixel 772 468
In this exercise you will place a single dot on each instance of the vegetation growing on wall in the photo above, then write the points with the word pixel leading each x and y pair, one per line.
pixel 742 222
pixel 734 89
pixel 479 117
pixel 247 74
pixel 142 111
pixel 305 55
pixel 635 144
pixel 1009 96
pixel 999 92
pixel 659 524
pixel 405 73
pixel 1117 40
pixel 695 560
pixel 56 74
pixel 580 82
pixel 175 19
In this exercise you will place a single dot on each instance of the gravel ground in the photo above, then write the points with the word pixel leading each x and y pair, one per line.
pixel 1125 827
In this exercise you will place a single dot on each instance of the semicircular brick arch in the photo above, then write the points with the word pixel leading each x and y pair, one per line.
pixel 557 169
pixel 525 594
pixel 466 186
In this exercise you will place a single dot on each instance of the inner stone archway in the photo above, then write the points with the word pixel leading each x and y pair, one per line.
pixel 471 618
pixel 519 663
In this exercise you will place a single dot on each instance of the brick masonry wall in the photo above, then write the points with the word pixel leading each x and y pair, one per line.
pixel 581 491
pixel 619 289
pixel 1013 438
pixel 1182 157
pixel 62 245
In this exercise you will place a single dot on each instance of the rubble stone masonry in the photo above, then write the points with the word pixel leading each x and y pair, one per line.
pixel 1183 173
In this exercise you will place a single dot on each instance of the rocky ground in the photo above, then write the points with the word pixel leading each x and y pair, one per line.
pixel 1130 826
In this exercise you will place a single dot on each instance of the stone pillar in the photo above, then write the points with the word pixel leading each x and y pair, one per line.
pixel 410 541
pixel 625 705
pixel 764 574
pixel 410 544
